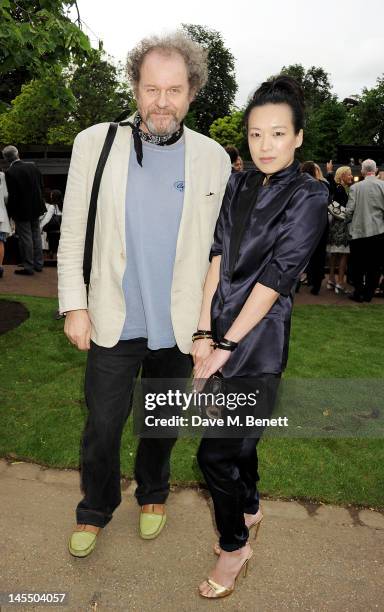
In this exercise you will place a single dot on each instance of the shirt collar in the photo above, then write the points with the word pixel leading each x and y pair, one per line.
pixel 286 174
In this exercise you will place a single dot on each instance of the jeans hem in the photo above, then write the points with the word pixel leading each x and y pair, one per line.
pixel 88 517
pixel 143 500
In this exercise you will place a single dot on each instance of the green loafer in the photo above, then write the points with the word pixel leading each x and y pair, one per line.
pixel 152 520
pixel 81 543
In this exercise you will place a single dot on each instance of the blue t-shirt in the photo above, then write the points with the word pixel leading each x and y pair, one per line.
pixel 154 205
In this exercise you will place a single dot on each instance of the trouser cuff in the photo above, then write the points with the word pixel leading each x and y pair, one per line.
pixel 143 500
pixel 92 517
pixel 232 547
pixel 251 509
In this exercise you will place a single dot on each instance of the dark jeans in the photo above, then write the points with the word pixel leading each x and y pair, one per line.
pixel 230 468
pixel 367 259
pixel 30 245
pixel 109 383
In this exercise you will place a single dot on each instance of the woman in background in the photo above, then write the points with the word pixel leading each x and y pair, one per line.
pixel 338 238
pixel 316 266
pixel 51 222
pixel 5 227
pixel 270 222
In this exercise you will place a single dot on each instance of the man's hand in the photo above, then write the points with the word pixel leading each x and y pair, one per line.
pixel 201 350
pixel 329 166
pixel 77 328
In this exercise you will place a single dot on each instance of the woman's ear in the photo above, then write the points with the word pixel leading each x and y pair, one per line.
pixel 299 139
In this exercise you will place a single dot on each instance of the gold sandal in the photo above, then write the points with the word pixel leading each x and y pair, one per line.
pixel 216 546
pixel 222 591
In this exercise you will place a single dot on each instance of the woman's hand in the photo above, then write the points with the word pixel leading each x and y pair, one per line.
pixel 209 366
pixel 201 350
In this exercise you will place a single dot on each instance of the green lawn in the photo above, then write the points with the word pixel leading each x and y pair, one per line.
pixel 42 409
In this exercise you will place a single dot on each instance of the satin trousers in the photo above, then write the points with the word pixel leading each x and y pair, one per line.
pixel 230 468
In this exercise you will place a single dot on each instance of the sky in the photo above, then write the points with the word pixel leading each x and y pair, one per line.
pixel 346 38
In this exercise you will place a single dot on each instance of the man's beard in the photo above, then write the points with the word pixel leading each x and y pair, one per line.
pixel 171 128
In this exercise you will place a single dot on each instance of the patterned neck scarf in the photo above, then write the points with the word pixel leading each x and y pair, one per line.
pixel 139 136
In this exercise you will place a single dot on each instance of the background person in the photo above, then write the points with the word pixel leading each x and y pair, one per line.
pixel 236 161
pixel 277 215
pixel 316 265
pixel 51 222
pixel 365 214
pixel 5 227
pixel 338 237
pixel 25 206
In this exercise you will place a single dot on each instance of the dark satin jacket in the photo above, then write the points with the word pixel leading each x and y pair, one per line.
pixel 286 222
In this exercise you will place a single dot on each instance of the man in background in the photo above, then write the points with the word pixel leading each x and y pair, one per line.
pixel 365 214
pixel 25 205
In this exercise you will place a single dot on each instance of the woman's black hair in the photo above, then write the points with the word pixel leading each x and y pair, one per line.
pixel 57 198
pixel 309 167
pixel 281 90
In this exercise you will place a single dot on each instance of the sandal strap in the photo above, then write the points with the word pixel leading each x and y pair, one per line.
pixel 218 589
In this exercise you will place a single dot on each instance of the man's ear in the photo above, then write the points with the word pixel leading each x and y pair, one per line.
pixel 192 95
pixel 299 139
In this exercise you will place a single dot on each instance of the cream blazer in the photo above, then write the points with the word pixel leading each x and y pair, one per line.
pixel 207 169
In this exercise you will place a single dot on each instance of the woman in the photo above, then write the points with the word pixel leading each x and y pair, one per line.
pixel 51 222
pixel 338 239
pixel 5 227
pixel 269 224
pixel 316 265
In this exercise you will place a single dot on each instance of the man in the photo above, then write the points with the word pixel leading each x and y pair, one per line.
pixel 158 203
pixel 25 205
pixel 365 214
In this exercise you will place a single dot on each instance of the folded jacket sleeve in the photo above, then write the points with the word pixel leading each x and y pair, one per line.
pixel 302 226
pixel 222 220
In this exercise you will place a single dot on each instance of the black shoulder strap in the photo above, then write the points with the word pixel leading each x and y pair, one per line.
pixel 88 246
pixel 247 198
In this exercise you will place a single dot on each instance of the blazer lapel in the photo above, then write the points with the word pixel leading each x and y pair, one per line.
pixel 186 224
pixel 118 166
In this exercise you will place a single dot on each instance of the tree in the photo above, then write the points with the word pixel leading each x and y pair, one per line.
pixel 37 34
pixel 314 81
pixel 100 93
pixel 42 105
pixel 230 131
pixel 10 86
pixel 317 92
pixel 327 122
pixel 54 109
pixel 364 123
pixel 216 98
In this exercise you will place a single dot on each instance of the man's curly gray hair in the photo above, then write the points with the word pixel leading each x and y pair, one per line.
pixel 195 57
